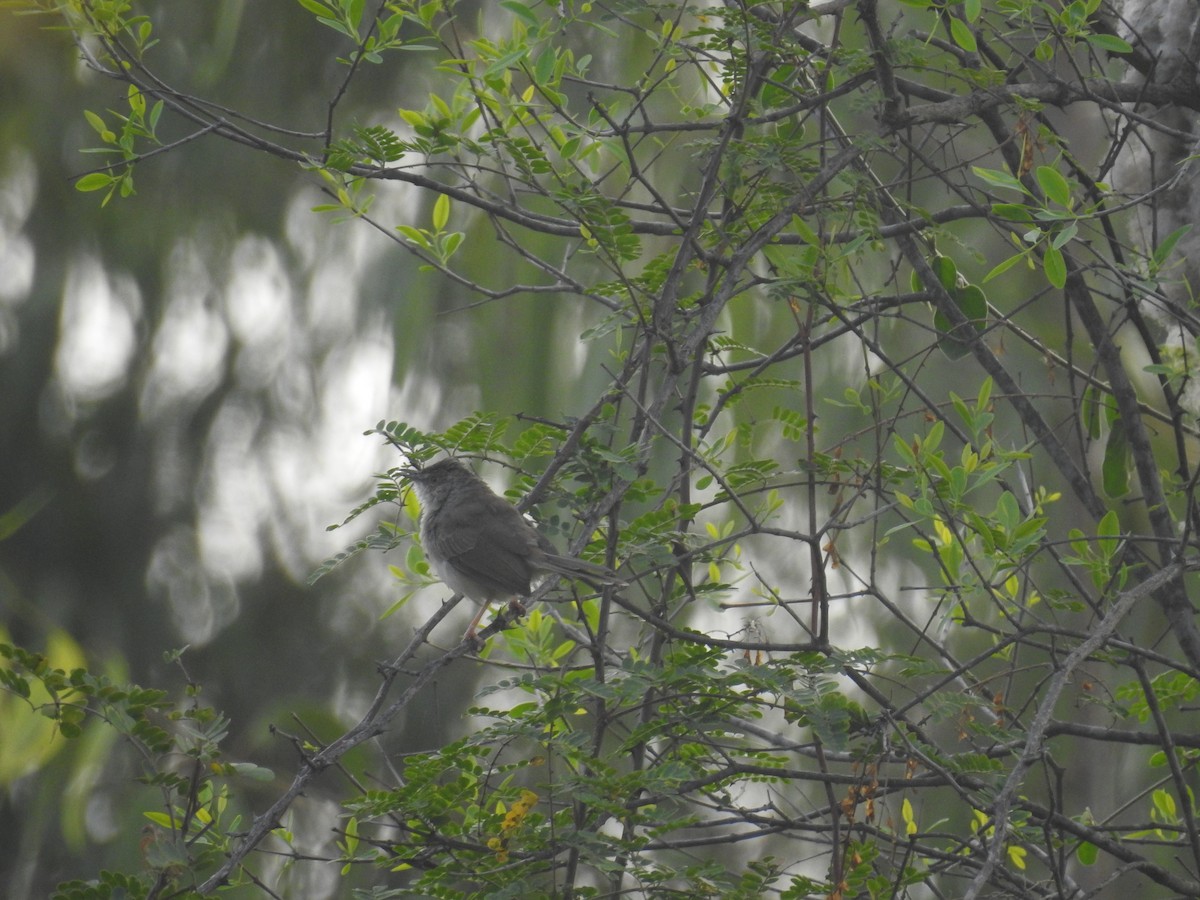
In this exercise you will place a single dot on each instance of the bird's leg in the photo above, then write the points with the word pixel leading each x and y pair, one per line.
pixel 515 606
pixel 469 634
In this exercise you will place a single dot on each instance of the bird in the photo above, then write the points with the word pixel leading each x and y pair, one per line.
pixel 480 545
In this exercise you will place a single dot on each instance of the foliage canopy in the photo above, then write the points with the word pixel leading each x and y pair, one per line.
pixel 888 420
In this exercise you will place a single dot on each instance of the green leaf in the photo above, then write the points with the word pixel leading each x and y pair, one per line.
pixel 1109 42
pixel 985 394
pixel 972 302
pixel 1164 804
pixel 442 107
pixel 137 101
pixel 1008 514
pixel 1002 267
pixel 951 347
pixel 96 181
pixel 1167 244
pixel 450 244
pixel 543 69
pixel 317 8
pixel 441 212
pixel 1115 468
pixel 253 772
pixel 1054 185
pixel 413 117
pixel 1013 212
pixel 997 178
pixel 1065 236
pixel 1108 533
pixel 512 57
pixel 1055 267
pixel 426 12
pixel 962 34
pixel 795 424
pixel 1091 412
pixel 418 237
pixel 569 147
pixel 1109 525
pixel 521 11
pixel 946 271
pixel 340 27
pixel 101 129
pixel 776 91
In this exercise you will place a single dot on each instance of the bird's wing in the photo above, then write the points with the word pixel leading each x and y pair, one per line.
pixel 497 558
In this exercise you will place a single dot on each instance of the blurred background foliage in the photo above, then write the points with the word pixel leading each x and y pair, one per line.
pixel 185 378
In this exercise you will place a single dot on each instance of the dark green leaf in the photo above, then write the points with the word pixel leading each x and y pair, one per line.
pixel 946 271
pixel 1115 468
pixel 1091 412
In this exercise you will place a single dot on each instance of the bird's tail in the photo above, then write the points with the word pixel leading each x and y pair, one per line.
pixel 583 570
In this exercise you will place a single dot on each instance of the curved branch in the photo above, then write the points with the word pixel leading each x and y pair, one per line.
pixel 372 724
pixel 1038 727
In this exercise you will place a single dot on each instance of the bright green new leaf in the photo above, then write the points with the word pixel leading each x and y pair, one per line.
pixel 98 124
pixel 910 821
pixel 441 212
pixel 95 181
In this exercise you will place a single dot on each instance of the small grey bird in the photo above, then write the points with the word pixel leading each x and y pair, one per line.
pixel 480 545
